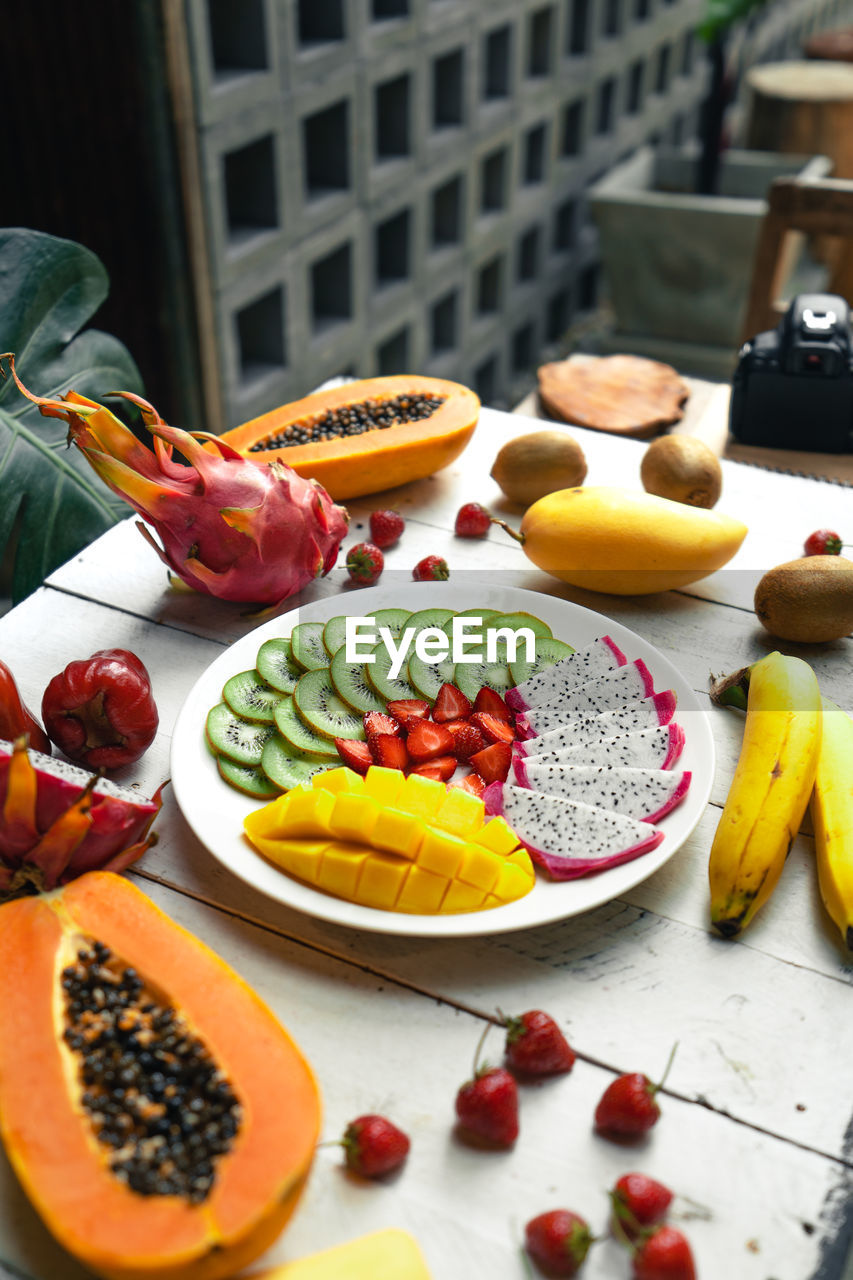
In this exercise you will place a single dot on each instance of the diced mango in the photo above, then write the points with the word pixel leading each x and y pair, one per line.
pixel 398 832
pixel 300 858
pixel 422 797
pixel 341 868
pixel 479 867
pixel 267 820
pixel 384 785
pixel 390 1254
pixel 382 880
pixel 521 858
pixel 460 814
pixel 497 835
pixel 512 882
pixel 354 817
pixel 441 852
pixel 422 892
pixel 462 897
pixel 338 780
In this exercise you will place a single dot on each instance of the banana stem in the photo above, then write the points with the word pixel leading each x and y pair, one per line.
pixel 513 533
pixel 732 690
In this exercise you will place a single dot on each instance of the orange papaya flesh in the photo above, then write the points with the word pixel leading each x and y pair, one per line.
pixel 51 1140
pixel 376 459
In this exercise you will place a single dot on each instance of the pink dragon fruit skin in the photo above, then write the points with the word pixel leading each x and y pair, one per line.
pixel 566 838
pixel 645 794
pixel 645 713
pixel 578 668
pixel 603 693
pixel 230 527
pixel 117 830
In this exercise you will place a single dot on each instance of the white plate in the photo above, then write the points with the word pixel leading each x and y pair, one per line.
pixel 216 812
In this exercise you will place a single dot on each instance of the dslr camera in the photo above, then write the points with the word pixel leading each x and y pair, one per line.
pixel 793 386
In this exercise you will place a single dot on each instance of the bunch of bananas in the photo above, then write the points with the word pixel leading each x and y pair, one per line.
pixel 797 748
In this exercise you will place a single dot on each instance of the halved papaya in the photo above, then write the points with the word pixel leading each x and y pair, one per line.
pixel 365 436
pixel 158 1116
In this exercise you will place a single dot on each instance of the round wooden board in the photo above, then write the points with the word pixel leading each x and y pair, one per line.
pixel 625 395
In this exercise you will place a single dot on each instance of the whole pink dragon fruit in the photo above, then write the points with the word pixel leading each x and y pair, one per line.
pixel 230 527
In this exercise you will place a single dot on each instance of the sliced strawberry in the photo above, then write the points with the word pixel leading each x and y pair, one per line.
pixel 490 701
pixel 467 741
pixel 450 704
pixel 494 729
pixel 355 755
pixel 427 740
pixel 471 782
pixel 377 722
pixel 405 709
pixel 441 768
pixel 493 764
pixel 388 751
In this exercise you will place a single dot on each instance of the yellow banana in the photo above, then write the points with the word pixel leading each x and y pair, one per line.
pixel 770 790
pixel 832 817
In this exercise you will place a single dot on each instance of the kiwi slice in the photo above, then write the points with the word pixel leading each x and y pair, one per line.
pixel 470 677
pixel 426 678
pixel 321 707
pixel 519 620
pixel 485 614
pixel 234 737
pixel 430 618
pixel 352 684
pixel 334 634
pixel 250 697
pixel 247 778
pixel 396 620
pixel 306 645
pixel 284 767
pixel 298 734
pixel 548 651
pixel 378 673
pixel 275 664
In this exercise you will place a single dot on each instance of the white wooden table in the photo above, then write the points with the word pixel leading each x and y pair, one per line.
pixel 757 1122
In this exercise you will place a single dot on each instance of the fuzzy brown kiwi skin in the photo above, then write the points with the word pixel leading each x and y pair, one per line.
pixel 682 469
pixel 809 601
pixel 530 466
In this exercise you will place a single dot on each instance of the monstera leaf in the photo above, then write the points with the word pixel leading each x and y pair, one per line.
pixel 51 502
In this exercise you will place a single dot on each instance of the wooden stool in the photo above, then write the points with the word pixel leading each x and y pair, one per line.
pixel 805 108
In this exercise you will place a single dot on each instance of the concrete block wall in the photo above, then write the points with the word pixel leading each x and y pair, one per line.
pixel 399 185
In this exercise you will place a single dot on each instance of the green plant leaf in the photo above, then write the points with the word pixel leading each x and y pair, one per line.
pixel 721 15
pixel 51 502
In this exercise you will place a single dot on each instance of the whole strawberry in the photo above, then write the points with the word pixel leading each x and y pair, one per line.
pixel 558 1242
pixel 823 542
pixel 373 1146
pixel 386 527
pixel 638 1201
pixel 535 1045
pixel 472 521
pixel 628 1108
pixel 663 1255
pixel 430 569
pixel 487 1105
pixel 365 562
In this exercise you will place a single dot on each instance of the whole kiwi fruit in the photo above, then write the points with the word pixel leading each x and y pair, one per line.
pixel 682 469
pixel 808 600
pixel 530 466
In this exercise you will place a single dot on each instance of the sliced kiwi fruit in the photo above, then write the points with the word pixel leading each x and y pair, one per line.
pixel 485 614
pixel 548 651
pixel 470 677
pixel 430 618
pixel 426 678
pixel 306 645
pixel 235 737
pixel 396 620
pixel 301 736
pixel 352 684
pixel 378 673
pixel 321 707
pixel 285 767
pixel 249 779
pixel 519 620
pixel 275 665
pixel 250 697
pixel 334 634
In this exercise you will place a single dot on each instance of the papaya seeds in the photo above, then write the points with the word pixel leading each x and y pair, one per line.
pixel 809 601
pixel 682 469
pixel 530 466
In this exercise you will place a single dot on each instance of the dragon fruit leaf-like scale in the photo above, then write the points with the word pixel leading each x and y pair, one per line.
pixel 645 713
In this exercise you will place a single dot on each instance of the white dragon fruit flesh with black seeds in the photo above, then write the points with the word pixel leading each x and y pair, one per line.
pixel 657 748
pixel 647 794
pixel 646 713
pixel 596 659
pixel 604 693
pixel 565 837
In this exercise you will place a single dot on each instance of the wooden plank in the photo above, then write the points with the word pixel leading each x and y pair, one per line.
pixel 378 1047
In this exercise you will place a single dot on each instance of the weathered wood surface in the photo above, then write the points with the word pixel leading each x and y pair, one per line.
pixel 757 1112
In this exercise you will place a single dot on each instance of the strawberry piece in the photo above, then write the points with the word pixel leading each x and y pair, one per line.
pixel 441 768
pixel 388 751
pixel 406 709
pixel 638 1201
pixel 823 542
pixel 427 740
pixel 364 563
pixel 487 1107
pixel 492 764
pixel 536 1046
pixel 467 740
pixel 628 1107
pixel 430 569
pixel 355 755
pixel 490 701
pixel 558 1242
pixel 471 783
pixel 386 527
pixel 450 704
pixel 472 521
pixel 494 729
pixel 373 1146
pixel 664 1255
pixel 376 722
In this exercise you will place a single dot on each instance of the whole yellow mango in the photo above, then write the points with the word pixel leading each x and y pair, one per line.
pixel 626 542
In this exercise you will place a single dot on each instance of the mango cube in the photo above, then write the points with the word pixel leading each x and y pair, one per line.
pixel 384 785
pixel 398 832
pixel 300 858
pixel 461 813
pixel 462 897
pixel 422 892
pixel 341 868
pixel 354 817
pixel 441 852
pixel 513 882
pixel 479 867
pixel 497 835
pixel 338 780
pixel 422 797
pixel 382 878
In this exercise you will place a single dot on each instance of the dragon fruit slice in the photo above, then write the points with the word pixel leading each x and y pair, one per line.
pixel 230 527
pixel 647 794
pixel 604 693
pixel 596 659
pixel 657 748
pixel 58 821
pixel 565 837
pixel 646 713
